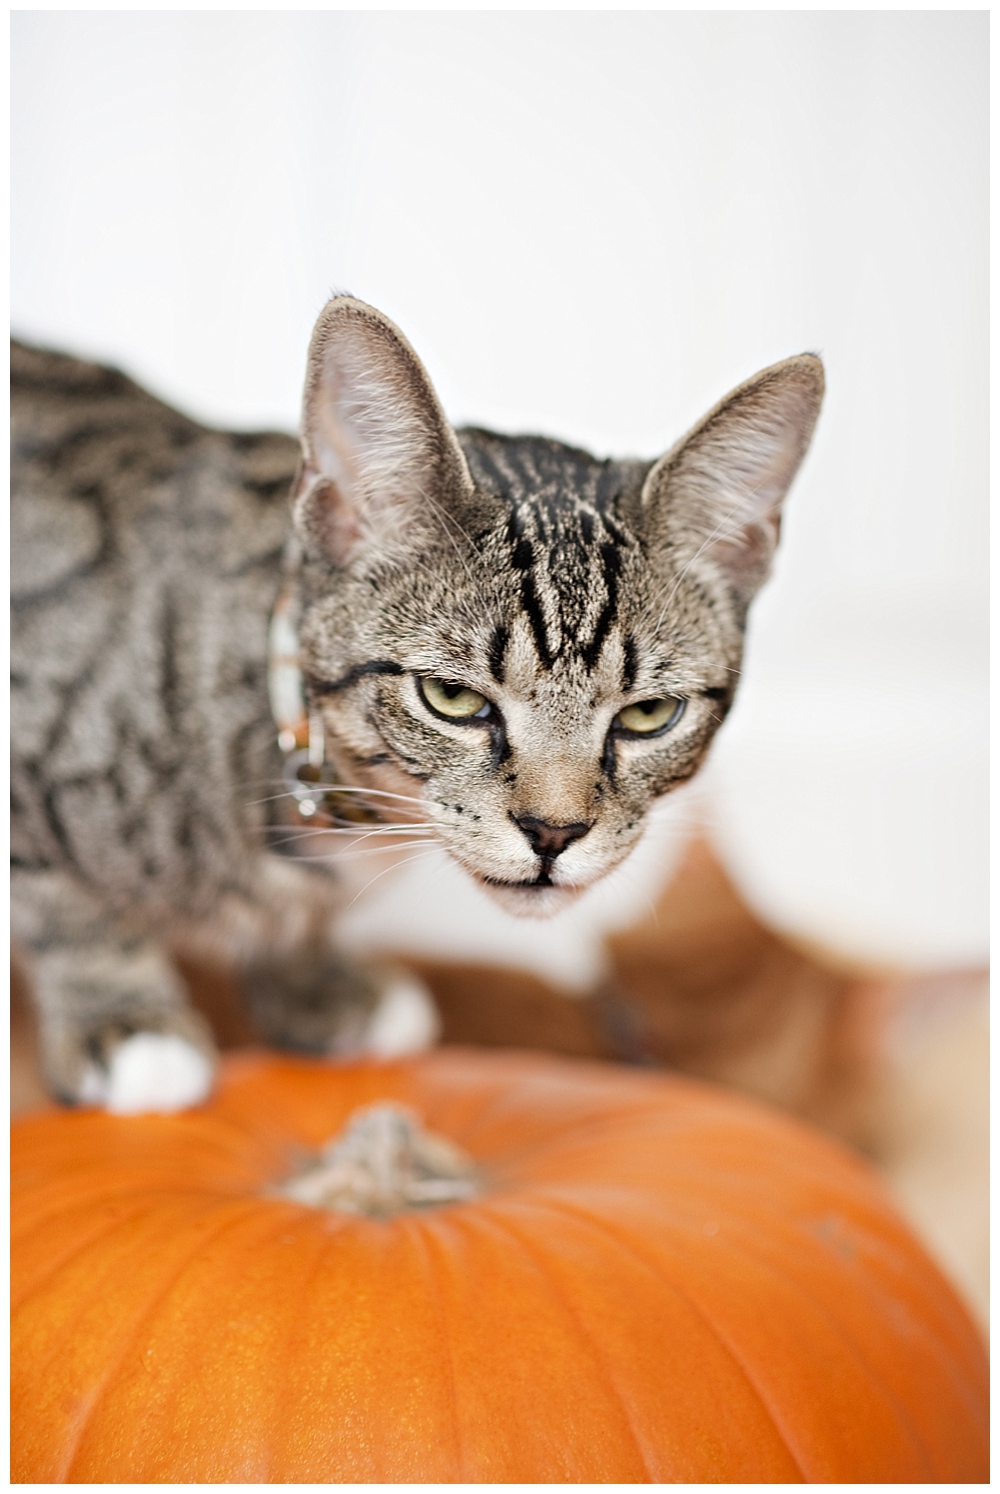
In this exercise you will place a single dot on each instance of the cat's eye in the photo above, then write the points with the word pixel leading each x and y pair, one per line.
pixel 647 717
pixel 453 701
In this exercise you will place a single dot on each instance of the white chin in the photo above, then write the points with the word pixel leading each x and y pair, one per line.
pixel 527 901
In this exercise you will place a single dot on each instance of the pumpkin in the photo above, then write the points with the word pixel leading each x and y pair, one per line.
pixel 657 1281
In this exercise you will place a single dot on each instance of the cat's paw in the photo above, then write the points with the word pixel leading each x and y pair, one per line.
pixel 130 1068
pixel 149 1071
pixel 404 1021
pixel 325 1004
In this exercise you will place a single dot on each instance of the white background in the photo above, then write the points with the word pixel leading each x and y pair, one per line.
pixel 594 224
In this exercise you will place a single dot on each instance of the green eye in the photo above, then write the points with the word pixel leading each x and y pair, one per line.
pixel 454 702
pixel 649 716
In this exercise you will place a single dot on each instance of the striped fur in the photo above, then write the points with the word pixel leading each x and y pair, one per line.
pixel 148 553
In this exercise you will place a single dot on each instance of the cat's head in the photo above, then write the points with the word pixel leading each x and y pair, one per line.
pixel 533 644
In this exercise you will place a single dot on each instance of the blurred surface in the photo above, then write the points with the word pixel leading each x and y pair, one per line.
pixel 593 224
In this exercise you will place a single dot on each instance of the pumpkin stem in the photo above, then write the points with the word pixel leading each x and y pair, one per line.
pixel 384 1162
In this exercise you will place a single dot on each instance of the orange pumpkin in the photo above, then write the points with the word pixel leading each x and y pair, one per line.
pixel 660 1282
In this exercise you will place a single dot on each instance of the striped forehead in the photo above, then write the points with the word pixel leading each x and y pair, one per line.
pixel 515 468
pixel 562 544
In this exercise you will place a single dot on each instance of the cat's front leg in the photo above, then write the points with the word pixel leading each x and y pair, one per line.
pixel 115 1028
pixel 318 1001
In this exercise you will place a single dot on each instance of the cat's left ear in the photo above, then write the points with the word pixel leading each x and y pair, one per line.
pixel 380 463
pixel 715 498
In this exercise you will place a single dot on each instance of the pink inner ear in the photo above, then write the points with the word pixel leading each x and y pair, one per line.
pixel 781 467
pixel 380 457
pixel 332 409
pixel 746 555
pixel 328 521
pixel 370 452
pixel 366 424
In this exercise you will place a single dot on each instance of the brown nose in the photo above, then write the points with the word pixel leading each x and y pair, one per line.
pixel 548 841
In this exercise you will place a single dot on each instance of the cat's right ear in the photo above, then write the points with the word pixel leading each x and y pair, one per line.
pixel 380 464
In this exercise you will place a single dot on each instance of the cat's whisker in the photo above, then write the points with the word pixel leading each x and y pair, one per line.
pixel 346 823
pixel 340 788
pixel 296 834
pixel 350 788
pixel 355 827
pixel 672 842
pixel 336 857
pixel 332 786
pixel 349 823
pixel 397 866
pixel 301 838
pixel 354 788
pixel 301 835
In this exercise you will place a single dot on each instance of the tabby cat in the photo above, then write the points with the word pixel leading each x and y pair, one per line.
pixel 506 646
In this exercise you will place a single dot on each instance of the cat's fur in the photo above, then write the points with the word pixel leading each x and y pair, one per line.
pixel 148 554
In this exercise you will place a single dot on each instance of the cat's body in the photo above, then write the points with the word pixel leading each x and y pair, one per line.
pixel 507 645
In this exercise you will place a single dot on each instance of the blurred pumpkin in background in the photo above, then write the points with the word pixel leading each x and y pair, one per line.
pixel 639 1279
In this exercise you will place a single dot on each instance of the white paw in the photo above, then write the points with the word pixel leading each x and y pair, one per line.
pixel 155 1071
pixel 405 1021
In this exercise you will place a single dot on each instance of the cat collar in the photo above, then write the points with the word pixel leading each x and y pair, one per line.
pixel 298 728
pixel 308 778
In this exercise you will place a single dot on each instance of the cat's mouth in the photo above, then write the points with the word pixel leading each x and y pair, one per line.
pixel 540 898
pixel 542 880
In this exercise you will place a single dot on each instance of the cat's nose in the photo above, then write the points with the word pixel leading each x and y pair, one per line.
pixel 545 839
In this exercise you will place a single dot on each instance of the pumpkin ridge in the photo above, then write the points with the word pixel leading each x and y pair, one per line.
pixel 532 1089
pixel 87 1416
pixel 889 1263
pixel 327 1244
pixel 545 1270
pixel 420 1238
pixel 101 1231
pixel 39 1286
pixel 280 1224
pixel 888 1256
pixel 856 1350
pixel 603 1226
pixel 334 1225
pixel 110 1193
pixel 859 1354
pixel 846 1339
